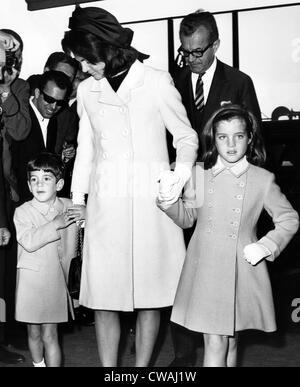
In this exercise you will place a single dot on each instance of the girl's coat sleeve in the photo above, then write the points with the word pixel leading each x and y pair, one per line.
pixel 30 237
pixel 184 212
pixel 285 219
pixel 181 213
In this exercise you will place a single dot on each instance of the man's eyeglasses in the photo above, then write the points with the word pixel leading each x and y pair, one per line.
pixel 198 53
pixel 51 100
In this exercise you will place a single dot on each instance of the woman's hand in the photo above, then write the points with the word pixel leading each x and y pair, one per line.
pixel 170 187
pixel 4 236
pixel 9 42
pixel 166 196
pixel 68 152
pixel 62 221
pixel 76 213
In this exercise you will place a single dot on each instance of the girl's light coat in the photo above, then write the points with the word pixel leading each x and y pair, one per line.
pixel 219 291
pixel 41 293
pixel 133 253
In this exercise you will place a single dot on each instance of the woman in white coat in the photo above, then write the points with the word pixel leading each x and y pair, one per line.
pixel 133 254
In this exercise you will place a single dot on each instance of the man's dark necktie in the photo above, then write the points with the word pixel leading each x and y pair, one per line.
pixel 199 95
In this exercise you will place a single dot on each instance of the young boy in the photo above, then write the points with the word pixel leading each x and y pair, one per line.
pixel 46 237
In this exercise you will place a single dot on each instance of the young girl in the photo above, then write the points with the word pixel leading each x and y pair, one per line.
pixel 46 244
pixel 224 286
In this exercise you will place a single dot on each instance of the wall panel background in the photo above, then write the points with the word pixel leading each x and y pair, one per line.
pixel 269 39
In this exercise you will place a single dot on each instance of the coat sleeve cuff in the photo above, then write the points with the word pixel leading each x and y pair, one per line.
pixel 78 198
pixel 271 246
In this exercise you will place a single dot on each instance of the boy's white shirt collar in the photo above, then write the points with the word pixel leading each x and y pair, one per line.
pixel 36 110
pixel 237 170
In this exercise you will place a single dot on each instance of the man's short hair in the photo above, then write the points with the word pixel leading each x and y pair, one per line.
pixel 48 162
pixel 193 21
pixel 61 80
pixel 60 57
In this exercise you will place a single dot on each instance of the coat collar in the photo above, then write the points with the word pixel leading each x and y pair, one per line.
pixel 237 170
pixel 134 79
pixel 45 209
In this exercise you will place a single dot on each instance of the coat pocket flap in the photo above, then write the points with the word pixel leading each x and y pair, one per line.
pixel 28 263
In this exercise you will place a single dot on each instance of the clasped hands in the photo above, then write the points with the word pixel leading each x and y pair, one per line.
pixel 68 152
pixel 171 184
pixel 76 213
pixel 170 187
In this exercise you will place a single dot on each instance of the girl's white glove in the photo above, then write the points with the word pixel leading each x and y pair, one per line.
pixel 171 183
pixel 255 252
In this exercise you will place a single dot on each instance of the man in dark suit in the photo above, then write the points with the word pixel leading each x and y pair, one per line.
pixel 49 97
pixel 67 119
pixel 199 38
pixel 205 83
pixel 4 233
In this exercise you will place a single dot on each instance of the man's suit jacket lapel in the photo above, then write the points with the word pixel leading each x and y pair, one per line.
pixel 73 107
pixel 216 87
pixel 184 85
pixel 36 135
pixel 51 135
pixel 2 192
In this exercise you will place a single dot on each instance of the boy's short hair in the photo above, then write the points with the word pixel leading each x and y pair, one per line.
pixel 48 162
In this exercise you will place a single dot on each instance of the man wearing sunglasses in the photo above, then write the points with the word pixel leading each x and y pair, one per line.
pixel 49 98
pixel 67 118
pixel 204 83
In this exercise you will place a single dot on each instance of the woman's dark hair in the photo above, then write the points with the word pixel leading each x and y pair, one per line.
pixel 48 162
pixel 94 50
pixel 255 153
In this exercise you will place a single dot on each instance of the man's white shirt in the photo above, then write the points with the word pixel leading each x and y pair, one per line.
pixel 206 78
pixel 42 121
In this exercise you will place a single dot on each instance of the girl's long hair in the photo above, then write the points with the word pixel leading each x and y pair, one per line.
pixel 255 154
pixel 92 49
